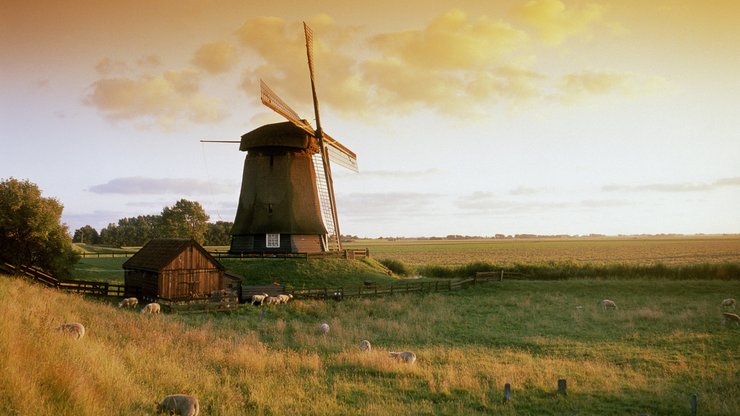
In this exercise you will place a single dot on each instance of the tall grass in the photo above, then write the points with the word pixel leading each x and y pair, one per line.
pixel 663 343
pixel 567 270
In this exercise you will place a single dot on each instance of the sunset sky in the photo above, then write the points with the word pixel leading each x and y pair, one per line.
pixel 468 117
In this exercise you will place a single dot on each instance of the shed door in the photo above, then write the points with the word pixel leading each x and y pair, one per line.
pixel 188 284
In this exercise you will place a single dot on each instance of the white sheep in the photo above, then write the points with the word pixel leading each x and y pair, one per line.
pixel 608 304
pixel 128 302
pixel 151 308
pixel 731 318
pixel 365 345
pixel 324 328
pixel 729 303
pixel 285 298
pixel 272 300
pixel 258 299
pixel 179 404
pixel 74 328
pixel 406 357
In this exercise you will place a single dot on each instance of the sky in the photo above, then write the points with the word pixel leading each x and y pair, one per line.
pixel 467 117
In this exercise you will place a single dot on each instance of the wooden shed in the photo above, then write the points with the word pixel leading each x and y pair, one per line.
pixel 176 269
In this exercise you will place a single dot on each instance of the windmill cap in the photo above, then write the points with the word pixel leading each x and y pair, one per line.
pixel 284 134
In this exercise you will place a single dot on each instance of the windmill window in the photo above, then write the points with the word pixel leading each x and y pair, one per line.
pixel 272 240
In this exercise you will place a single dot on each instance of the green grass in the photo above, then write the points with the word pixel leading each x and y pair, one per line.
pixel 299 273
pixel 664 343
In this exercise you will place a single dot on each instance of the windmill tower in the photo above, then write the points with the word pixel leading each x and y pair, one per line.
pixel 287 199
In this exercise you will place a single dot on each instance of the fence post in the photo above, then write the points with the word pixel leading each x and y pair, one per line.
pixel 694 404
pixel 507 392
pixel 501 279
pixel 562 387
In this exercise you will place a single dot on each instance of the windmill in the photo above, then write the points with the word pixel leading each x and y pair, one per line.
pixel 287 200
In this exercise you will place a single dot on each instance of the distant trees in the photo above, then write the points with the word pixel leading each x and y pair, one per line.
pixel 219 233
pixel 31 232
pixel 86 234
pixel 185 219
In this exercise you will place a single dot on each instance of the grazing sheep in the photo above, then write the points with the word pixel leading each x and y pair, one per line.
pixel 729 304
pixel 324 328
pixel 272 300
pixel 285 298
pixel 151 308
pixel 73 328
pixel 731 318
pixel 407 356
pixel 608 304
pixel 258 299
pixel 179 404
pixel 365 345
pixel 128 302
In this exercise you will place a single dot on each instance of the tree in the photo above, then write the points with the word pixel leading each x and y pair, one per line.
pixel 86 234
pixel 31 232
pixel 219 233
pixel 185 219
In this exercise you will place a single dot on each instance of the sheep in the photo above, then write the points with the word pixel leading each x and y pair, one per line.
pixel 608 304
pixel 179 404
pixel 324 328
pixel 406 357
pixel 272 300
pixel 128 302
pixel 731 318
pixel 285 298
pixel 151 308
pixel 365 345
pixel 729 304
pixel 74 328
pixel 258 299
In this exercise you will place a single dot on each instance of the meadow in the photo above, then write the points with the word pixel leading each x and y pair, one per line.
pixel 667 250
pixel 665 342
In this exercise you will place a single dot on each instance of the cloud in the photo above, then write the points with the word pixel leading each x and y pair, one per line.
pixel 576 86
pixel 373 174
pixel 107 66
pixel 388 204
pixel 554 22
pixel 674 187
pixel 141 185
pixel 165 99
pixel 215 58
pixel 452 41
pixel 488 203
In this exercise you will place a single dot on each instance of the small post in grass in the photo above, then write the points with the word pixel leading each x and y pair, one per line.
pixel 694 405
pixel 501 279
pixel 507 392
pixel 562 387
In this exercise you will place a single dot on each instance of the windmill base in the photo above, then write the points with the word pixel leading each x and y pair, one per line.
pixel 289 243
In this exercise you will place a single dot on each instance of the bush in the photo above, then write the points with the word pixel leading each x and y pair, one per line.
pixel 397 267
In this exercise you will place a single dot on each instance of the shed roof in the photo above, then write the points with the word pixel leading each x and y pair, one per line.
pixel 159 252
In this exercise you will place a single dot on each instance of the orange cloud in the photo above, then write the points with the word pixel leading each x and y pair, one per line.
pixel 576 86
pixel 161 100
pixel 554 22
pixel 452 41
pixel 216 57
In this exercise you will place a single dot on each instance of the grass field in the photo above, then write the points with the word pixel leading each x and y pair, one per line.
pixel 673 251
pixel 664 343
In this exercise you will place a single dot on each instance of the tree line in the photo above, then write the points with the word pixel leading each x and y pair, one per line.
pixel 185 219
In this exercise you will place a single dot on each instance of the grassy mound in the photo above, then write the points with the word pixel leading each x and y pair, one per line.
pixel 299 273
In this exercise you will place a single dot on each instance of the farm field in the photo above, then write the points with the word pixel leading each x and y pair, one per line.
pixel 681 250
pixel 665 342
pixel 669 251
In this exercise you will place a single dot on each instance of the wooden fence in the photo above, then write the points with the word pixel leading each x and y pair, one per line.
pixel 76 286
pixel 342 292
